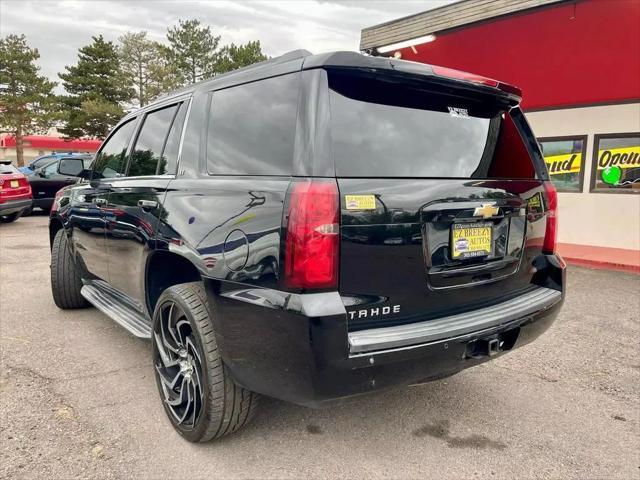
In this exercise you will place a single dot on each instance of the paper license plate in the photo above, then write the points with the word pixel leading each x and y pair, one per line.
pixel 15 183
pixel 470 240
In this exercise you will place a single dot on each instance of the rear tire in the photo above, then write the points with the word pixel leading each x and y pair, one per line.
pixel 65 277
pixel 198 394
pixel 9 218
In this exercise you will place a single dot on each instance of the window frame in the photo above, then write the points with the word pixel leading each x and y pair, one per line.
pixel 208 123
pixel 594 164
pixel 561 138
pixel 142 119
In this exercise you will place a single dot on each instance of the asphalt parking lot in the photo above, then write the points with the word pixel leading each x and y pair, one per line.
pixel 78 399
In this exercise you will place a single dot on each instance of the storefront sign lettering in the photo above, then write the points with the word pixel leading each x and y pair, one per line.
pixel 628 157
pixel 565 163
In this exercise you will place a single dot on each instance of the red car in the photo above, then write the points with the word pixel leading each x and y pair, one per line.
pixel 15 193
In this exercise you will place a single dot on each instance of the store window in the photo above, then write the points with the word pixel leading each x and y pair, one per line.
pixel 564 157
pixel 616 163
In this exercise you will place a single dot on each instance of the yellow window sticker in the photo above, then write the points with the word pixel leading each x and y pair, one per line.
pixel 360 202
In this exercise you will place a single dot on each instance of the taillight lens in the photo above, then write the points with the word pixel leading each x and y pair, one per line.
pixel 551 232
pixel 312 240
pixel 56 201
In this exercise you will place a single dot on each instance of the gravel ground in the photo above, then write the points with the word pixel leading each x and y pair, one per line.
pixel 78 399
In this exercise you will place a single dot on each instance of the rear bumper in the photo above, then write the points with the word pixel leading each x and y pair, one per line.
pixel 297 347
pixel 14 206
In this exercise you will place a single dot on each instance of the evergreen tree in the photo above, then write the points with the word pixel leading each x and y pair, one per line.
pixel 97 88
pixel 26 98
pixel 237 56
pixel 148 69
pixel 193 49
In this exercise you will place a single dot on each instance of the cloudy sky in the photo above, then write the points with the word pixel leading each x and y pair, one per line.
pixel 59 28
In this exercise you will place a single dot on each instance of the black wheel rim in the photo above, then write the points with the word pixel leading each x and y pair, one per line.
pixel 178 364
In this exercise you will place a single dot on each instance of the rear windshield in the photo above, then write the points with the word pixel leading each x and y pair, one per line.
pixel 8 169
pixel 385 129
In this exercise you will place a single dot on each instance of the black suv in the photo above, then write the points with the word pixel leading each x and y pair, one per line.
pixel 312 228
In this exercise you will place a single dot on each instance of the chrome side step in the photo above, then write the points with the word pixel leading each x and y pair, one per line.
pixel 119 309
pixel 385 338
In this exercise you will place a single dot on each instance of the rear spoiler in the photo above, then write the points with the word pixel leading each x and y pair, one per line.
pixel 391 66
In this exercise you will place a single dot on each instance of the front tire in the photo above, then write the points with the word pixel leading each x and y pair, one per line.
pixel 199 396
pixel 65 277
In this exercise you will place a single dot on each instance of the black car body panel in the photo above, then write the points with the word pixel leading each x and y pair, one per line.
pixel 194 218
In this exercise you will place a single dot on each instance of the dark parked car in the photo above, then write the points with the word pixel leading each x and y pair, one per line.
pixel 15 193
pixel 50 178
pixel 312 228
pixel 44 160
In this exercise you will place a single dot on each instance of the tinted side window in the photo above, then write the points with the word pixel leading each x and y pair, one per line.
pixel 110 161
pixel 50 169
pixel 252 128
pixel 170 154
pixel 147 152
pixel 40 162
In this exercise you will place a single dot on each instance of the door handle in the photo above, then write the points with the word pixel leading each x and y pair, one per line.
pixel 147 204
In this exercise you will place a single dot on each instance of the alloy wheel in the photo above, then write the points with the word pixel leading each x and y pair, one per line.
pixel 178 364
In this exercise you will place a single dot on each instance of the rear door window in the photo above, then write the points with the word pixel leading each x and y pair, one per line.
pixel 110 162
pixel 251 128
pixel 147 155
pixel 386 129
pixel 172 147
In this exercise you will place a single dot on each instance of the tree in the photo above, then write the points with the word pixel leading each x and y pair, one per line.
pixel 97 87
pixel 26 98
pixel 232 57
pixel 193 49
pixel 148 69
pixel 137 54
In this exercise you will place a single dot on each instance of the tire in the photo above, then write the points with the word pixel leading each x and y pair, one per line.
pixel 65 278
pixel 9 218
pixel 186 356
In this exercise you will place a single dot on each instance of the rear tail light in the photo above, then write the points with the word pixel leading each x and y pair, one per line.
pixel 312 240
pixel 56 201
pixel 551 232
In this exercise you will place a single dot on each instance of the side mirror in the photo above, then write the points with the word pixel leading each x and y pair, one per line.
pixel 70 166
pixel 84 174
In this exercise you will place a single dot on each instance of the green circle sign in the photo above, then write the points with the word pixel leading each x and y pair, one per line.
pixel 612 175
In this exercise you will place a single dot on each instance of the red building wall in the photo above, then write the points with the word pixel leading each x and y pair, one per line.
pixel 45 142
pixel 576 53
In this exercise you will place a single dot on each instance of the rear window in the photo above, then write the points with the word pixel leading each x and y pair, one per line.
pixel 385 129
pixel 8 169
pixel 252 128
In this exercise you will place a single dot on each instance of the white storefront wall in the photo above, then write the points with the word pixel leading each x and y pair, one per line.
pixel 598 219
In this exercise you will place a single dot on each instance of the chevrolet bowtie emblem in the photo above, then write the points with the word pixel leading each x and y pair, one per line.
pixel 487 210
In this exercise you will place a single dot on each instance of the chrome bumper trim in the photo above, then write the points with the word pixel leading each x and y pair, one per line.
pixel 453 326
